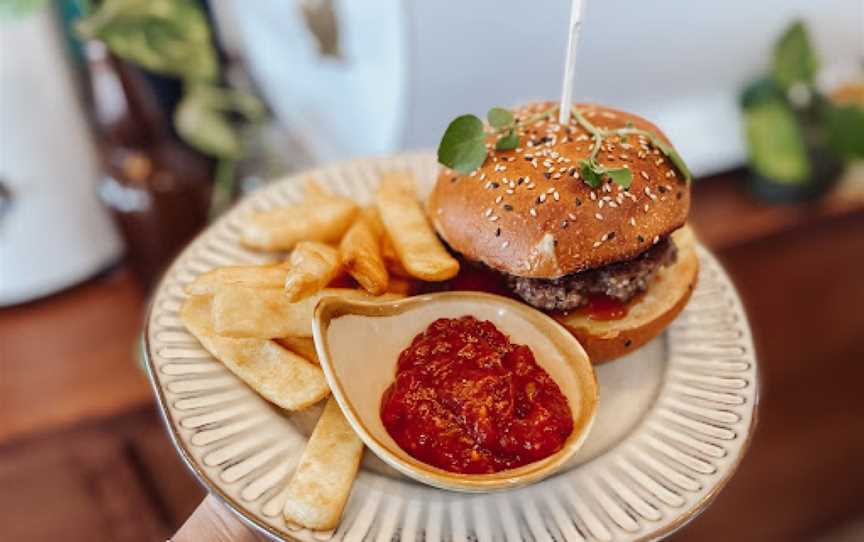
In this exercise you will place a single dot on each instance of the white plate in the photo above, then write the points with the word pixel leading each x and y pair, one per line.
pixel 674 419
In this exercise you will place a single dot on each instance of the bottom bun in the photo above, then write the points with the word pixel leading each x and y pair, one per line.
pixel 648 315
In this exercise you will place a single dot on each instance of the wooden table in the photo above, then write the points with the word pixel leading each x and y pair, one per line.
pixel 83 455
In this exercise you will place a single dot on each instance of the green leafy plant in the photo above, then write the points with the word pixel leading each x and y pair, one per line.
pixel 173 38
pixel 795 135
pixel 463 146
pixel 20 8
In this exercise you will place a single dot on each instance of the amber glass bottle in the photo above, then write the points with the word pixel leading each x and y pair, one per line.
pixel 156 186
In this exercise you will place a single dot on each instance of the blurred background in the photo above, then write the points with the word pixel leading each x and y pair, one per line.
pixel 127 125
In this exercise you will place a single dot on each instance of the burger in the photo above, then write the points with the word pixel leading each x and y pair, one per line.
pixel 585 220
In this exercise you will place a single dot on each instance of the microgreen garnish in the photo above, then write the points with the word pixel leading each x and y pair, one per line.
pixel 463 147
pixel 500 118
pixel 622 176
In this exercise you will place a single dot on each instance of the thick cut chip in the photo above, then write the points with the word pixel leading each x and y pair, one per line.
pixel 419 249
pixel 278 375
pixel 303 346
pixel 360 250
pixel 249 276
pixel 391 259
pixel 312 266
pixel 322 482
pixel 322 219
pixel 267 314
pixel 313 190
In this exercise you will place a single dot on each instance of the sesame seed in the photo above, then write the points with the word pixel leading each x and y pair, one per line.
pixel 542 198
pixel 613 204
pixel 597 244
pixel 601 203
pixel 564 224
pixel 533 212
pixel 556 176
pixel 473 173
pixel 509 191
pixel 598 216
pixel 488 212
pixel 498 199
pixel 493 218
pixel 550 190
pixel 645 208
pixel 656 239
pixel 505 244
pixel 593 195
pixel 556 195
pixel 482 176
pixel 632 221
pixel 644 175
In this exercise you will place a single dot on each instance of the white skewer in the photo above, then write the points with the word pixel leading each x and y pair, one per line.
pixel 576 9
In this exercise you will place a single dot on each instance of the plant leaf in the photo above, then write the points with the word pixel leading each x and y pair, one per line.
pixel 507 142
pixel 845 128
pixel 622 176
pixel 776 143
pixel 205 126
pixel 463 146
pixel 591 173
pixel 20 8
pixel 170 37
pixel 794 58
pixel 500 118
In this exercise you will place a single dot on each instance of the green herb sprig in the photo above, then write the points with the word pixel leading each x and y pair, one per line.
pixel 592 172
pixel 463 146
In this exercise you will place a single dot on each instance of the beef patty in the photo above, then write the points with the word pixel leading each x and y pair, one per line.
pixel 621 280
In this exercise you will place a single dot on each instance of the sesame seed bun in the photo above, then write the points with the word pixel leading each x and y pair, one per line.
pixel 647 315
pixel 527 213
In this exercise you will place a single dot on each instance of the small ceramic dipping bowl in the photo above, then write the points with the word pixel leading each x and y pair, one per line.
pixel 359 342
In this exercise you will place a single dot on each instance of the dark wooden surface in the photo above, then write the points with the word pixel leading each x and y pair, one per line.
pixel 83 455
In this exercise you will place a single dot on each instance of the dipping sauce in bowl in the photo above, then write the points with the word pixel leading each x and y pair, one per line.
pixel 467 400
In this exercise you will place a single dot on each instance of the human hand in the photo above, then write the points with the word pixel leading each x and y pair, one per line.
pixel 213 522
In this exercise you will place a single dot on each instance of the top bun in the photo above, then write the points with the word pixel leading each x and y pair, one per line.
pixel 528 213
